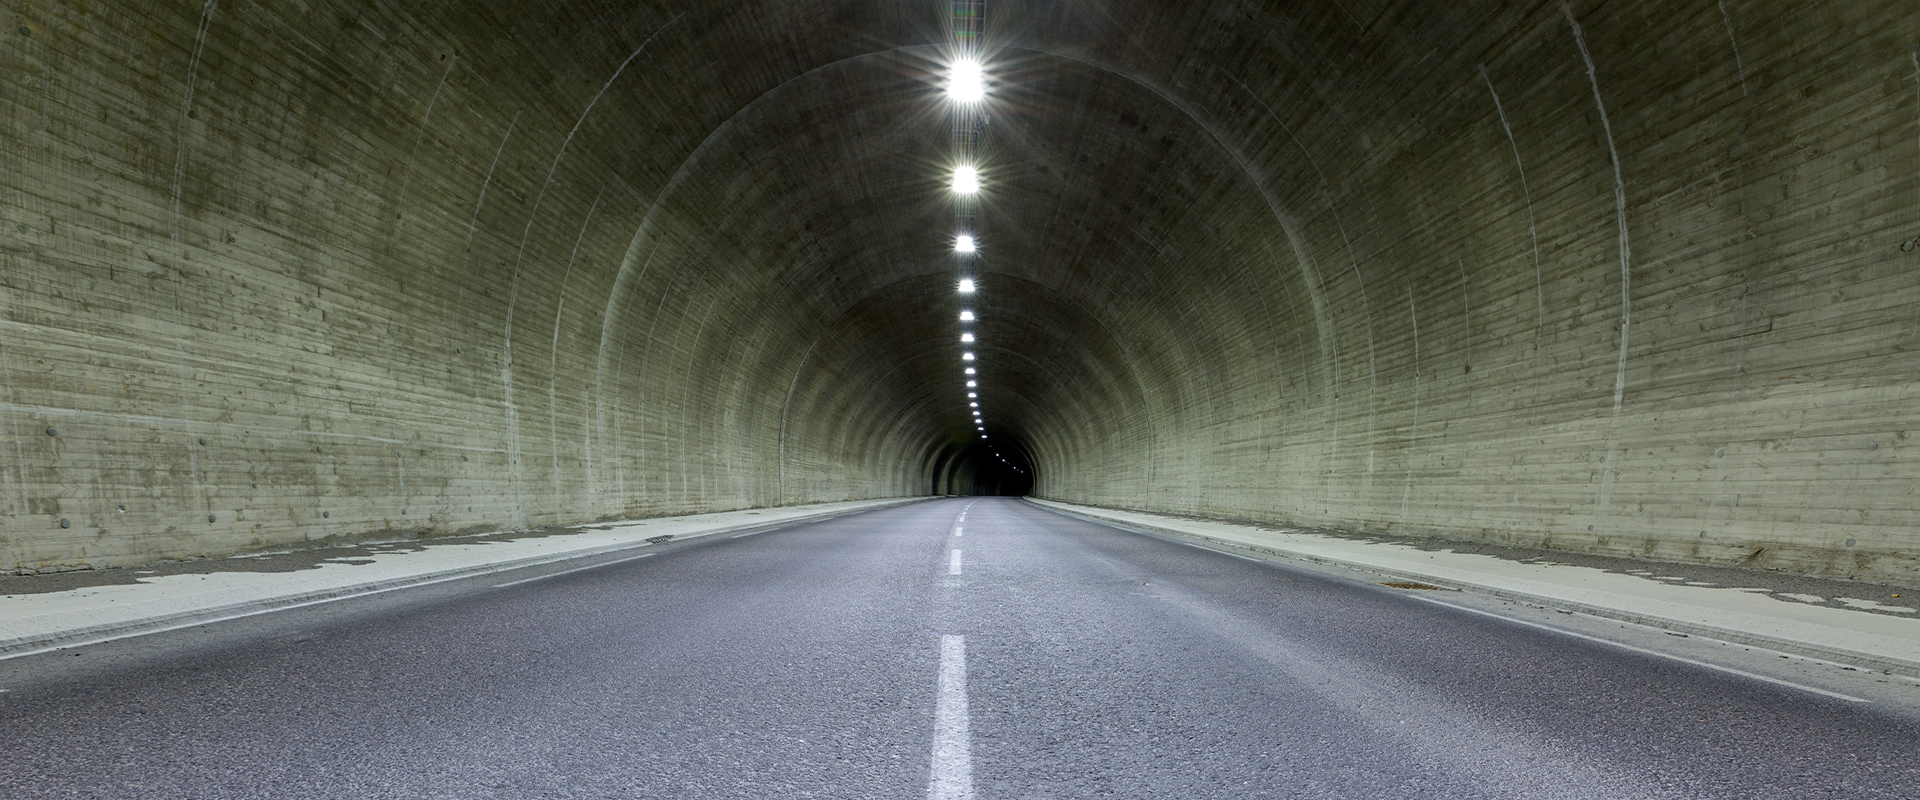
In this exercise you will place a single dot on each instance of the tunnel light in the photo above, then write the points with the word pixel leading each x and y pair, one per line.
pixel 975 405
pixel 972 394
pixel 966 337
pixel 966 316
pixel 972 384
pixel 968 81
pixel 966 180
pixel 969 370
pixel 966 285
pixel 966 356
pixel 963 244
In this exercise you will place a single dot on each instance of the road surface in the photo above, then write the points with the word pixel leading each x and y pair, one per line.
pixel 956 648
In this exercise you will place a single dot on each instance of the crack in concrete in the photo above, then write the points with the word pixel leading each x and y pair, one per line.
pixel 1626 274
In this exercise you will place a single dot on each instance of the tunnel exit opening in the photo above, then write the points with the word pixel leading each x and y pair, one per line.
pixel 992 468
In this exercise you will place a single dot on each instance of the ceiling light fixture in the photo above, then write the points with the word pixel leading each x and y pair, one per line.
pixel 968 82
pixel 966 179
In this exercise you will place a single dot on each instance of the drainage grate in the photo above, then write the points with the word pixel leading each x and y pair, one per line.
pixel 1409 585
pixel 662 539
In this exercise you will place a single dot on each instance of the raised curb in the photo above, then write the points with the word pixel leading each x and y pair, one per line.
pixel 1852 658
pixel 94 634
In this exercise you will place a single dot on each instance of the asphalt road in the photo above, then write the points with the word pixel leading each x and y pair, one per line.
pixel 861 658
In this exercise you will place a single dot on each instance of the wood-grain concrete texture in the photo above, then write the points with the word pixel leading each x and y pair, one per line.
pixel 1629 278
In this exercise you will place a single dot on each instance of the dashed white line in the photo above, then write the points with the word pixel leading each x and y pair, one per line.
pixel 571 571
pixel 952 777
pixel 953 564
pixel 1645 651
pixel 959 531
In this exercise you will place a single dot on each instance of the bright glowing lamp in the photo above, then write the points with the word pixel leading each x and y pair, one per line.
pixel 966 180
pixel 968 83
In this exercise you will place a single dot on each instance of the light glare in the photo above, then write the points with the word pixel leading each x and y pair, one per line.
pixel 968 83
pixel 966 180
pixel 963 244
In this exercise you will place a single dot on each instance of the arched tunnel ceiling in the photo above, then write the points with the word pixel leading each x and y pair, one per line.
pixel 1487 269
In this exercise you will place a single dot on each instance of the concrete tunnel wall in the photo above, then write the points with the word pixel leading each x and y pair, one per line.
pixel 1629 278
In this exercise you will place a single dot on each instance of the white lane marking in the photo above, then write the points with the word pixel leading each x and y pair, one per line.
pixel 1645 651
pixel 952 777
pixel 959 531
pixel 953 565
pixel 748 533
pixel 571 571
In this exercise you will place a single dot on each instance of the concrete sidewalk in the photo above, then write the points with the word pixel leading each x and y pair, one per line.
pixel 111 604
pixel 1864 625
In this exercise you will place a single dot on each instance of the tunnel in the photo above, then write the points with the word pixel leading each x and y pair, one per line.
pixel 968 399
pixel 1604 277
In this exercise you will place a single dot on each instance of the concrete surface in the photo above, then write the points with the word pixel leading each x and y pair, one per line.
pixel 121 603
pixel 1867 625
pixel 808 662
pixel 1633 279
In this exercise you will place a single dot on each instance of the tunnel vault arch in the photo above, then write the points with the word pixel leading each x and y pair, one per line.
pixel 353 268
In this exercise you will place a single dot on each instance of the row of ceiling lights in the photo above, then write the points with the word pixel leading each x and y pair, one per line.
pixel 967 89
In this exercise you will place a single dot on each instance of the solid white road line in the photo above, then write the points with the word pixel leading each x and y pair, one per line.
pixel 953 565
pixel 1645 651
pixel 571 571
pixel 952 777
